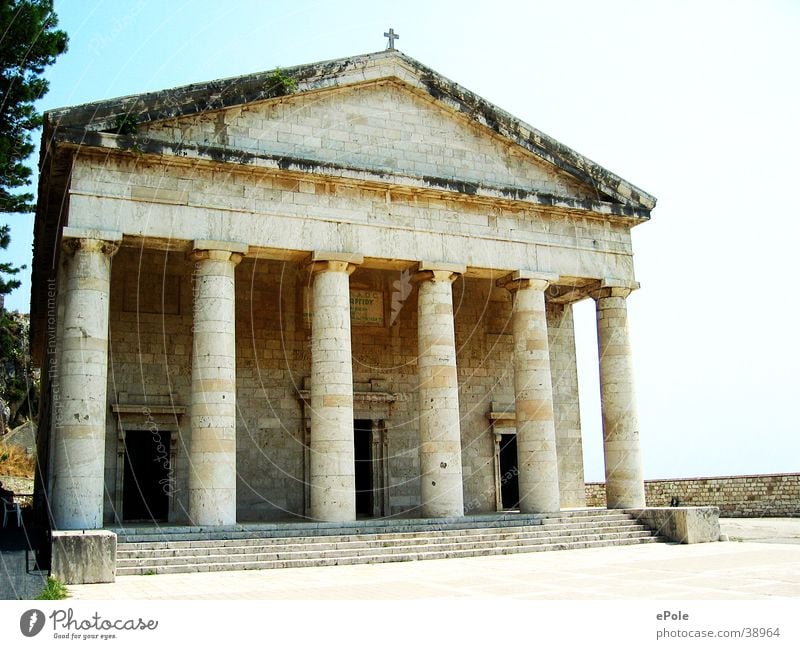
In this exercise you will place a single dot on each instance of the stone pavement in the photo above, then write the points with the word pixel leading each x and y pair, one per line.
pixel 20 577
pixel 762 530
pixel 746 570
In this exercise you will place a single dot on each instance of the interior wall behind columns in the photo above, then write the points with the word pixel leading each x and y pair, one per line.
pixel 150 346
pixel 484 345
pixel 273 357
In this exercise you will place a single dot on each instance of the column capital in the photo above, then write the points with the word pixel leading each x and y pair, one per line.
pixel 105 241
pixel 527 279
pixel 203 249
pixel 335 262
pixel 438 271
pixel 215 255
pixel 611 287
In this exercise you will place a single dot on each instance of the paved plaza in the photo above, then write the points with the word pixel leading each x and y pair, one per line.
pixel 746 569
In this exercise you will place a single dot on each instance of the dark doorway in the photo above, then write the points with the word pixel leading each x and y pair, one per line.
pixel 145 487
pixel 509 472
pixel 363 455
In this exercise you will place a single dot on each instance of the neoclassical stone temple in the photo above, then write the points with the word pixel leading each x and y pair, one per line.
pixel 337 290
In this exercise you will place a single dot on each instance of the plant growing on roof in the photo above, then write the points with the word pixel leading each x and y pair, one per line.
pixel 126 124
pixel 279 84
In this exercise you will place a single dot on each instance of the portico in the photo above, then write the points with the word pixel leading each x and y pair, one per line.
pixel 301 319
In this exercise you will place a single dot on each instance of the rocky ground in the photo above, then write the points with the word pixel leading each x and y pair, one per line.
pixel 22 488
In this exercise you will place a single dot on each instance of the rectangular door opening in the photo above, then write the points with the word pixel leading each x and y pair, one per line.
pixel 145 486
pixel 362 437
pixel 509 472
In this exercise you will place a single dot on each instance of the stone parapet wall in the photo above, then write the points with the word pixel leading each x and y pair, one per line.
pixel 747 496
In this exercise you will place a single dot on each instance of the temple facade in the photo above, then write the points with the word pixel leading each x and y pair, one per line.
pixel 332 291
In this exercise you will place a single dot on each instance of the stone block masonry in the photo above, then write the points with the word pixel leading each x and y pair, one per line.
pixel 207 377
pixel 84 557
pixel 742 496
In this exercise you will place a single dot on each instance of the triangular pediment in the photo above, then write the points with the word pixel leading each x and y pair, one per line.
pixel 383 127
pixel 381 113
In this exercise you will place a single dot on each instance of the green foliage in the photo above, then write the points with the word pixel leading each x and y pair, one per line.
pixel 54 590
pixel 279 84
pixel 126 124
pixel 19 384
pixel 29 41
pixel 7 285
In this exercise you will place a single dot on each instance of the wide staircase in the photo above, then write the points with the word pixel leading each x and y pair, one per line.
pixel 162 550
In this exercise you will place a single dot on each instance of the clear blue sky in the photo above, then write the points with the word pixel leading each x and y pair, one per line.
pixel 695 102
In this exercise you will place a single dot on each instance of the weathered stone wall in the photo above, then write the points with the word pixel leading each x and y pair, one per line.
pixel 283 216
pixel 681 524
pixel 84 556
pixel 272 361
pixel 485 374
pixel 150 356
pixel 359 128
pixel 285 212
pixel 736 496
pixel 383 171
pixel 384 360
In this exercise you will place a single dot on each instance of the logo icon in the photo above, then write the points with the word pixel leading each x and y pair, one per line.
pixel 31 622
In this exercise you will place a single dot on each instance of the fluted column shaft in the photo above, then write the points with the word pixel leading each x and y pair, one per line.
pixel 623 462
pixel 212 452
pixel 332 454
pixel 537 459
pixel 81 405
pixel 441 478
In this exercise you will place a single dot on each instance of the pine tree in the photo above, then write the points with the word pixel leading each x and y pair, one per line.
pixel 29 41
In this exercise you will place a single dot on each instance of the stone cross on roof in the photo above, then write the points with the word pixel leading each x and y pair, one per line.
pixel 391 36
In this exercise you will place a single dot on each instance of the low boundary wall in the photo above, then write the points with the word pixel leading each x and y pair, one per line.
pixel 740 496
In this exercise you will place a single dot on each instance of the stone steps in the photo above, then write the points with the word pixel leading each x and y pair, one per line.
pixel 288 545
pixel 267 546
pixel 267 554
pixel 400 537
pixel 176 534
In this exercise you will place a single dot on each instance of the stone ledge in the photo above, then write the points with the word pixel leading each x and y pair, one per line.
pixel 681 524
pixel 84 556
pixel 238 247
pixel 441 265
pixel 91 233
pixel 348 257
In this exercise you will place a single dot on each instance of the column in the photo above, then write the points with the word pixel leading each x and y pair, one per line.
pixel 624 476
pixel 536 437
pixel 212 451
pixel 331 445
pixel 77 491
pixel 442 489
pixel 566 404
